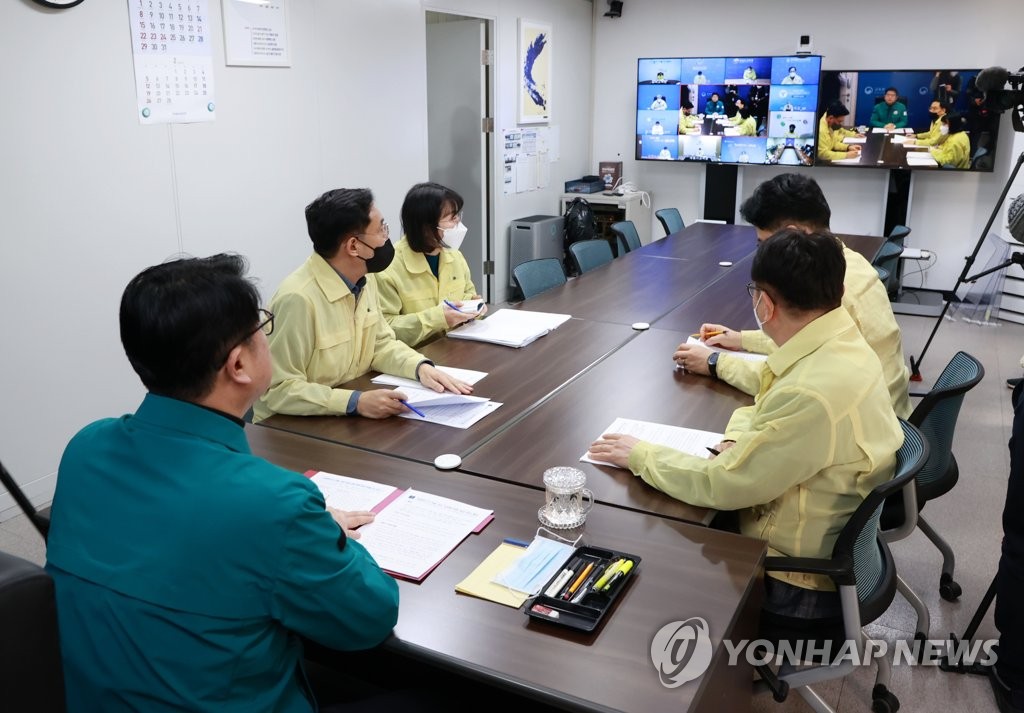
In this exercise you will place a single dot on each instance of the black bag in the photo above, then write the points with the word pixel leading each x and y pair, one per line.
pixel 580 224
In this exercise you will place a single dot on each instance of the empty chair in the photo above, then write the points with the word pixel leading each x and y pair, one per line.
pixel 670 220
pixel 883 274
pixel 936 416
pixel 625 230
pixel 887 260
pixel 898 234
pixel 864 573
pixel 536 276
pixel 590 254
pixel 39 520
pixel 31 673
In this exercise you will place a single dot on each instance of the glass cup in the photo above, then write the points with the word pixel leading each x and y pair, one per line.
pixel 566 501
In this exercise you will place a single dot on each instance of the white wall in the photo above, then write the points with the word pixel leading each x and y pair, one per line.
pixel 948 210
pixel 91 197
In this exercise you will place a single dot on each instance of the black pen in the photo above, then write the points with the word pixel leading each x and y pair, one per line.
pixel 717 453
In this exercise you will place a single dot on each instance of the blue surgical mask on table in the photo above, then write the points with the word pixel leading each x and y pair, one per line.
pixel 539 563
pixel 453 237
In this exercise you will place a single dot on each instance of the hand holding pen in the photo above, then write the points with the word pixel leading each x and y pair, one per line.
pixel 718 335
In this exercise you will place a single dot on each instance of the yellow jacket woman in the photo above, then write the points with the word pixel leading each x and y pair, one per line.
pixel 955 151
pixel 428 275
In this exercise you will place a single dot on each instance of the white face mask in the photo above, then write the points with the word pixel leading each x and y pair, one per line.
pixel 944 129
pixel 760 324
pixel 453 237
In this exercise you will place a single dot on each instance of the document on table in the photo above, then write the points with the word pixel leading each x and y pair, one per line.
pixel 921 160
pixel 418 530
pixel 455 415
pixel 855 159
pixel 510 327
pixel 855 140
pixel 748 356
pixel 468 375
pixel 687 440
pixel 478 583
pixel 344 493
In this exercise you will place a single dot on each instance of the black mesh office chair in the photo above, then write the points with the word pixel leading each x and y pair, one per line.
pixel 936 416
pixel 864 573
pixel 40 520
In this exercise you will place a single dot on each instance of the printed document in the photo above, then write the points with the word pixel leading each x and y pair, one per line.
pixel 468 375
pixel 687 440
pixel 510 327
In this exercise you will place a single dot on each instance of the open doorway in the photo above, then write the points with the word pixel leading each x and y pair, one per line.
pixel 458 133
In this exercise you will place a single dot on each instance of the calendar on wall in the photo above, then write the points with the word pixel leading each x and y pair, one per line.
pixel 173 61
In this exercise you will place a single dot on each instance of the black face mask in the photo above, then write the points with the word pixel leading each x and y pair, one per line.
pixel 934 115
pixel 382 257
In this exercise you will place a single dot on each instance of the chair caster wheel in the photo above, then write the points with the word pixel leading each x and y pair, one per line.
pixel 948 589
pixel 883 701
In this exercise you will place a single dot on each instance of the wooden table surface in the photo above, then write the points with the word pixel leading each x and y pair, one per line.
pixel 686 571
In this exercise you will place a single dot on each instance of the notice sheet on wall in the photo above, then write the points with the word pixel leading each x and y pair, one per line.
pixel 173 61
pixel 256 33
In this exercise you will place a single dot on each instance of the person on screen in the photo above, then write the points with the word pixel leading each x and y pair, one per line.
pixel 664 153
pixel 932 136
pixel 195 567
pixel 330 325
pixel 799 461
pixel 749 74
pixel 794 200
pixel 739 105
pixel 831 133
pixel 699 78
pixel 889 113
pixel 657 129
pixel 945 86
pixel 659 103
pixel 787 106
pixel 791 131
pixel 428 274
pixel 748 123
pixel 714 106
pixel 792 77
pixel 955 151
pixel 688 123
pixel 659 78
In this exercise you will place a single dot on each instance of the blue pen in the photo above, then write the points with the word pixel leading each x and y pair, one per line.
pixel 459 310
pixel 414 409
pixel 517 543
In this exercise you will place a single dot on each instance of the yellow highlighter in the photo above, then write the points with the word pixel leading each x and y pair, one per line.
pixel 608 574
pixel 623 571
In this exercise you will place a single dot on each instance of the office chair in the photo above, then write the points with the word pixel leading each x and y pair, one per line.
pixel 590 254
pixel 883 274
pixel 536 276
pixel 31 674
pixel 887 259
pixel 39 519
pixel 670 220
pixel 627 231
pixel 863 570
pixel 936 416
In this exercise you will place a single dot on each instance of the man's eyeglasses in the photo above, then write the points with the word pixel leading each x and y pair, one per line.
pixel 266 324
pixel 384 230
pixel 752 288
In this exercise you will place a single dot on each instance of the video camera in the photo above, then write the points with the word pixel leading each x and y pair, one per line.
pixel 1004 90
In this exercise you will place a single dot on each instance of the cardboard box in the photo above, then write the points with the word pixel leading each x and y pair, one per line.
pixel 610 172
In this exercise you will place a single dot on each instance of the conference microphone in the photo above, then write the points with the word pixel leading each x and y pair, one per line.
pixel 992 79
pixel 1016 218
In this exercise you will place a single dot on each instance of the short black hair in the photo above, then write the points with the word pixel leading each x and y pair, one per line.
pixel 422 209
pixel 714 94
pixel 744 112
pixel 837 109
pixel 894 90
pixel 804 271
pixel 686 104
pixel 792 69
pixel 788 197
pixel 179 320
pixel 335 215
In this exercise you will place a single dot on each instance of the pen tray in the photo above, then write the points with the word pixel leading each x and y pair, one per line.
pixel 588 611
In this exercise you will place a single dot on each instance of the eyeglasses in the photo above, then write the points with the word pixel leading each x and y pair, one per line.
pixel 752 288
pixel 384 230
pixel 267 325
pixel 451 221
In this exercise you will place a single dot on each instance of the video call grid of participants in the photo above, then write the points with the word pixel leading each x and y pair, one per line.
pixel 689 109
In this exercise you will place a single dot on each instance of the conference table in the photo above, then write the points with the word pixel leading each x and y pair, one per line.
pixel 880 151
pixel 685 571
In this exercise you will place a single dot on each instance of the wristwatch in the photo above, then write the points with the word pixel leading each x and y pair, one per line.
pixel 713 364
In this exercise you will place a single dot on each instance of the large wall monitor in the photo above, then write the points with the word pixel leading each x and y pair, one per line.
pixel 891 110
pixel 728 109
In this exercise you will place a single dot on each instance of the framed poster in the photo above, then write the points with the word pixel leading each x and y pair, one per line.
pixel 534 54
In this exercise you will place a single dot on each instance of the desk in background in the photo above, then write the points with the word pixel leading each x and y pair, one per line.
pixel 686 571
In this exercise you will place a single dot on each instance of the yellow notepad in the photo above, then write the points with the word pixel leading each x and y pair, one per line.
pixel 479 584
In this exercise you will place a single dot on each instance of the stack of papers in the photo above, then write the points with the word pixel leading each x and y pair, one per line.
pixel 921 159
pixel 687 440
pixel 747 356
pixel 446 408
pixel 413 531
pixel 468 375
pixel 855 140
pixel 855 159
pixel 510 327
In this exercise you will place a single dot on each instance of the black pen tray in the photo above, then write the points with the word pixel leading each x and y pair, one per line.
pixel 591 609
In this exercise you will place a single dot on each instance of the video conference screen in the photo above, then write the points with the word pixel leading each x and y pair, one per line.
pixel 728 109
pixel 913 119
